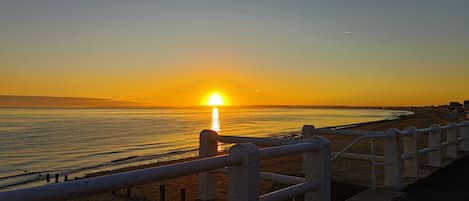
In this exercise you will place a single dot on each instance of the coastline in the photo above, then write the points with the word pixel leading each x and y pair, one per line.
pixel 346 126
pixel 285 135
pixel 346 173
pixel 349 176
pixel 144 161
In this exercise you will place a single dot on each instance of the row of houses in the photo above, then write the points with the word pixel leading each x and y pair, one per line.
pixel 458 108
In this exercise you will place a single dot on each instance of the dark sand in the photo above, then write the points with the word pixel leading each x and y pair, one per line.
pixel 349 176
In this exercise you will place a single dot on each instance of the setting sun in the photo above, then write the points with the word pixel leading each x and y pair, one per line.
pixel 215 99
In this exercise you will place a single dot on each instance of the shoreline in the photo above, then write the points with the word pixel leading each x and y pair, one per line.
pixel 126 163
pixel 348 176
pixel 160 163
pixel 346 126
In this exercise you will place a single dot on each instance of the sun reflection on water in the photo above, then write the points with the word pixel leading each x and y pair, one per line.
pixel 215 120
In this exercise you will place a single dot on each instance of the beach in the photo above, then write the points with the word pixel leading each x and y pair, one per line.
pixel 76 142
pixel 349 176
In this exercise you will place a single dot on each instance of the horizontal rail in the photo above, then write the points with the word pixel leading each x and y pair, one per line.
pixel 290 149
pixel 448 143
pixel 360 156
pixel 449 126
pixel 256 140
pixel 280 178
pixel 381 163
pixel 426 130
pixel 445 127
pixel 371 134
pixel 83 187
pixel 407 156
pixel 289 192
pixel 428 149
pixel 406 133
pixel 341 152
pixel 284 179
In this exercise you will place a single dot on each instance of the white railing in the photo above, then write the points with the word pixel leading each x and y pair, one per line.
pixel 241 164
pixel 401 149
pixel 316 168
pixel 389 137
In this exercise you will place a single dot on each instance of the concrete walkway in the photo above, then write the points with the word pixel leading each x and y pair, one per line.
pixel 378 194
pixel 449 183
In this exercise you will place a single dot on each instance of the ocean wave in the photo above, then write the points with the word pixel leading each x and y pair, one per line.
pixel 17 180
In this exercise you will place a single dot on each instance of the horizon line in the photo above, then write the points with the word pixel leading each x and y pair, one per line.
pixel 122 104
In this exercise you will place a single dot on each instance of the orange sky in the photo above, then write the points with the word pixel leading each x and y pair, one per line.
pixel 297 53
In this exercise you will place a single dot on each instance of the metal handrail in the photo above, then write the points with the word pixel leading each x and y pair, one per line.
pixel 372 153
pixel 371 134
pixel 337 154
pixel 258 140
pixel 285 193
pixel 431 131
pixel 312 149
pixel 87 186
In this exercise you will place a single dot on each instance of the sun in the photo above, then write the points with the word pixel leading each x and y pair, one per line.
pixel 215 99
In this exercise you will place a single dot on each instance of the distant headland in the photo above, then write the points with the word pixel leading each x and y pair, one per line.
pixel 7 101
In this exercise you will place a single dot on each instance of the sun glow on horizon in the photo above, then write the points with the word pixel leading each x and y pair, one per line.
pixel 215 99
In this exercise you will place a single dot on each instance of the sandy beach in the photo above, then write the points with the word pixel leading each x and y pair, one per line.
pixel 349 176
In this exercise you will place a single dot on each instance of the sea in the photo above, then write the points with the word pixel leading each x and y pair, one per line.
pixel 76 142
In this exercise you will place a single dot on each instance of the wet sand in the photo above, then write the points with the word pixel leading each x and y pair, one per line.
pixel 349 176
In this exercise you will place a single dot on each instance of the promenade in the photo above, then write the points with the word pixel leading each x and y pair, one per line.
pixel 449 183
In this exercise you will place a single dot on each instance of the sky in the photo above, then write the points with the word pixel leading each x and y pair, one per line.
pixel 269 52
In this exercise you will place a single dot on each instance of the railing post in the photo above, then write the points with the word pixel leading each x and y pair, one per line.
pixel 452 139
pixel 434 141
pixel 373 163
pixel 392 160
pixel 208 146
pixel 464 134
pixel 316 165
pixel 308 131
pixel 410 147
pixel 244 179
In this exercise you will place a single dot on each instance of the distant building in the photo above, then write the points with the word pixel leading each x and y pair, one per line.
pixel 466 105
pixel 456 107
